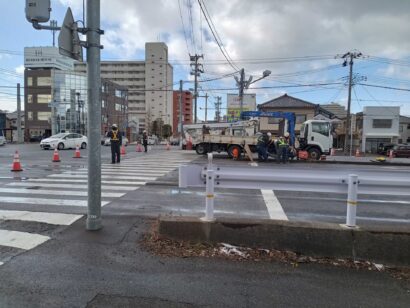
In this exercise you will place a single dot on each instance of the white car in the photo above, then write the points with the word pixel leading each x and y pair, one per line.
pixel 107 141
pixel 64 141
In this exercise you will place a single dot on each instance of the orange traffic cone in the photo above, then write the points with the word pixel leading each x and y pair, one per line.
pixel 139 148
pixel 16 162
pixel 77 153
pixel 357 153
pixel 56 156
pixel 391 155
pixel 123 150
pixel 168 147
pixel 332 152
pixel 235 153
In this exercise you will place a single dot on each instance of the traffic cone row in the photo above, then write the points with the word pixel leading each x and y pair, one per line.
pixel 56 156
pixel 16 163
pixel 123 152
pixel 77 153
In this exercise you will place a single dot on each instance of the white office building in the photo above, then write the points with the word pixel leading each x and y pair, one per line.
pixel 380 125
pixel 149 85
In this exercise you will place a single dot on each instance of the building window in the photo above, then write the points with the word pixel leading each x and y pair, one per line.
pixel 30 115
pixel 103 103
pixel 118 107
pixel 29 81
pixel 118 93
pixel 408 126
pixel 43 116
pixel 273 120
pixel 44 81
pixel 382 123
pixel 300 118
pixel 29 98
pixel 401 129
pixel 43 98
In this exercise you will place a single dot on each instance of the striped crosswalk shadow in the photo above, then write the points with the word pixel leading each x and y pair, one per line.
pixel 14 239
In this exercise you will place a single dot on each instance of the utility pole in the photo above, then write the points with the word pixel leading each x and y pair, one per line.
pixel 53 24
pixel 218 108
pixel 180 115
pixel 206 107
pixel 241 86
pixel 196 70
pixel 349 56
pixel 19 132
pixel 94 115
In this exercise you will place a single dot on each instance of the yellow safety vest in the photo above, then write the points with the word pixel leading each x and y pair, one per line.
pixel 114 136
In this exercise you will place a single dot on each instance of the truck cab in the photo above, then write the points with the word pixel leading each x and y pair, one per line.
pixel 316 138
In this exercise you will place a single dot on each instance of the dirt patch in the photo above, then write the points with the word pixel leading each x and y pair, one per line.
pixel 155 244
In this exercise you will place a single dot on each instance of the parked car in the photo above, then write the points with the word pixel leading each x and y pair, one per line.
pixel 401 150
pixel 36 138
pixel 107 141
pixel 384 149
pixel 64 141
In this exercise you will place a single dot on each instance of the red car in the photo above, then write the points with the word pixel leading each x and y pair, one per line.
pixel 401 150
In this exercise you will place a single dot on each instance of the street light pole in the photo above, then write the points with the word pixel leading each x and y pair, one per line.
pixel 180 114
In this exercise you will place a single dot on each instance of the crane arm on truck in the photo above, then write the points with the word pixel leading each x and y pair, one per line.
pixel 290 116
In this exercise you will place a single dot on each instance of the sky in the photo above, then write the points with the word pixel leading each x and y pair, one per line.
pixel 301 42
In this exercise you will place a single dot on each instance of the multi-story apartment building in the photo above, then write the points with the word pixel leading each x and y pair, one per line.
pixel 186 110
pixel 149 85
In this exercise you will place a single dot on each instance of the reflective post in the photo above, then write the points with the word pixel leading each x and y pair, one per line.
pixel 352 200
pixel 210 188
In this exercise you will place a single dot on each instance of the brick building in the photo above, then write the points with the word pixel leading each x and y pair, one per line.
pixel 186 110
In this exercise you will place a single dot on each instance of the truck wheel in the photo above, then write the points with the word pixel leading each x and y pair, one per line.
pixel 232 148
pixel 314 154
pixel 201 149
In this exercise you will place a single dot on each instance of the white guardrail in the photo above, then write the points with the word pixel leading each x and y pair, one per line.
pixel 211 176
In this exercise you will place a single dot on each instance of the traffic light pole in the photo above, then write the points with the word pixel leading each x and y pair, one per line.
pixel 94 221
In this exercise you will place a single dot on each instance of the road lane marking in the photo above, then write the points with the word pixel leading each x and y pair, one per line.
pixel 58 185
pixel 42 201
pixel 56 192
pixel 86 181
pixel 84 176
pixel 22 240
pixel 44 217
pixel 275 210
pixel 118 172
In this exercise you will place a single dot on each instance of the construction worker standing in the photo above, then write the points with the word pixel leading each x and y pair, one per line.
pixel 262 145
pixel 116 141
pixel 283 148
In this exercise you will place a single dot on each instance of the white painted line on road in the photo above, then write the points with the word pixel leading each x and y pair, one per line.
pixel 309 216
pixel 22 240
pixel 44 217
pixel 42 201
pixel 84 176
pixel 58 185
pixel 56 192
pixel 275 210
pixel 121 172
pixel 155 166
pixel 151 168
pixel 127 183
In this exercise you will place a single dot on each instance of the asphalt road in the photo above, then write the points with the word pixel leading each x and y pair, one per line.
pixel 48 259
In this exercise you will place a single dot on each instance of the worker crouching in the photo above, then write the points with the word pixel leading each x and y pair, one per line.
pixel 262 146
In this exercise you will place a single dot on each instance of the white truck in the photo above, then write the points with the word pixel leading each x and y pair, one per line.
pixel 315 137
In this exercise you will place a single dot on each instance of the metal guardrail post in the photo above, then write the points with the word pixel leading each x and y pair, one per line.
pixel 352 200
pixel 210 188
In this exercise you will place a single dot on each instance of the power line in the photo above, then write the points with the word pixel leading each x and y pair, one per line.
pixel 183 25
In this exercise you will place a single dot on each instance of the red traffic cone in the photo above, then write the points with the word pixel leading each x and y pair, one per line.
pixel 168 147
pixel 357 153
pixel 56 156
pixel 391 154
pixel 16 162
pixel 139 148
pixel 77 153
pixel 123 150
pixel 332 152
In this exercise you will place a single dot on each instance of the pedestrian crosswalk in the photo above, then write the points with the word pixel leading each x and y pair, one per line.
pixel 66 192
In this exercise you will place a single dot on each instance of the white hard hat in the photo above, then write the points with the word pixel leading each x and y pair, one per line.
pixel 286 134
pixel 144 131
pixel 269 134
pixel 114 125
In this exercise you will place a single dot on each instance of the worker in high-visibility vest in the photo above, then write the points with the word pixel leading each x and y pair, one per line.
pixel 115 141
pixel 283 148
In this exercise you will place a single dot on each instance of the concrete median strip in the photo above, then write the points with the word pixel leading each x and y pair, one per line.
pixel 375 244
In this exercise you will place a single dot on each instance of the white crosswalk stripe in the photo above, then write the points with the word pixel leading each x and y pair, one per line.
pixel 69 189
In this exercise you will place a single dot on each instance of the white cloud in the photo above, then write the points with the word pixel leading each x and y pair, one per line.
pixel 20 69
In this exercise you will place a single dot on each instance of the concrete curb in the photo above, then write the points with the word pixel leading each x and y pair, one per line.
pixel 315 239
pixel 351 163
